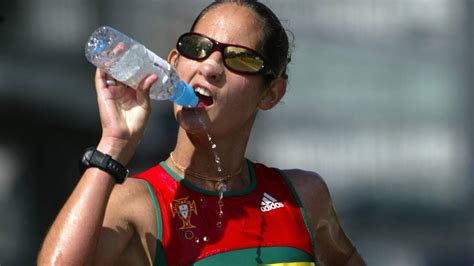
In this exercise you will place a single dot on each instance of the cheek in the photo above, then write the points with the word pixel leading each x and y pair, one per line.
pixel 186 68
pixel 246 91
pixel 252 87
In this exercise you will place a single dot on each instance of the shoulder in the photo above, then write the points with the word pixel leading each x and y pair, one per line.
pixel 130 191
pixel 130 209
pixel 310 187
pixel 332 245
pixel 134 192
pixel 129 197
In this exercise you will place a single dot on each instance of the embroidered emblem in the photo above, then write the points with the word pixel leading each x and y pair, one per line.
pixel 184 208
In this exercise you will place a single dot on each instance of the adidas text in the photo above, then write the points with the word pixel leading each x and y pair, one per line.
pixel 271 206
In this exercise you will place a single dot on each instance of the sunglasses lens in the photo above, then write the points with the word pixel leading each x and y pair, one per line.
pixel 239 59
pixel 194 46
pixel 243 60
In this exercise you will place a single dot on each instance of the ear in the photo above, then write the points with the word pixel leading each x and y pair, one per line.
pixel 273 94
pixel 173 56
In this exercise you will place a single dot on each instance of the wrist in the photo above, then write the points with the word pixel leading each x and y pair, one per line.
pixel 94 158
pixel 119 149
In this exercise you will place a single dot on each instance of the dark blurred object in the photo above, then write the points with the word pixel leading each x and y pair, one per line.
pixel 5 7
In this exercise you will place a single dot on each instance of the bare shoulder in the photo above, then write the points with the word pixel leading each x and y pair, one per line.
pixel 132 189
pixel 310 187
pixel 333 247
pixel 132 202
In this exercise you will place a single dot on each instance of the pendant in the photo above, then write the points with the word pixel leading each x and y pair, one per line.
pixel 220 186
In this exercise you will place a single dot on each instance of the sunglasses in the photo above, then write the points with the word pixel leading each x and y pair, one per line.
pixel 237 58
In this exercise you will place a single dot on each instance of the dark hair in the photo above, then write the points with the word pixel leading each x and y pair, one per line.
pixel 276 47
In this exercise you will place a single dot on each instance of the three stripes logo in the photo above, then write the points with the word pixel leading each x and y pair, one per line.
pixel 269 203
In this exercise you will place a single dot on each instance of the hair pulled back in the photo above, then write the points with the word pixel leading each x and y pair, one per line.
pixel 276 47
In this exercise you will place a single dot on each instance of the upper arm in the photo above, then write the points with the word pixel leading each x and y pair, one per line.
pixel 332 246
pixel 119 238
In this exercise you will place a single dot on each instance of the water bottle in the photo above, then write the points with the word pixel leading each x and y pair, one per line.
pixel 129 62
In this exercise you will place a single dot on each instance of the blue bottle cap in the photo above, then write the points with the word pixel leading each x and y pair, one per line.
pixel 101 45
pixel 184 95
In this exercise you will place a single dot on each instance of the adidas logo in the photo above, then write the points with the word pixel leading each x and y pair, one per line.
pixel 269 203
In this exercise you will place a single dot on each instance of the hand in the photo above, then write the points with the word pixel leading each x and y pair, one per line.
pixel 124 113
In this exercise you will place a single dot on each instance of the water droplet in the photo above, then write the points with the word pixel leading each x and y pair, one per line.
pixel 221 201
pixel 219 224
pixel 220 187
pixel 197 240
pixel 205 239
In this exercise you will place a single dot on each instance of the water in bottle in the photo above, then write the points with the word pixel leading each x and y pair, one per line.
pixel 129 62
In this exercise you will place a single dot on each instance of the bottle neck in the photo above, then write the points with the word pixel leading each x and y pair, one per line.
pixel 184 95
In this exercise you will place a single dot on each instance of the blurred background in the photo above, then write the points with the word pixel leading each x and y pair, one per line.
pixel 379 104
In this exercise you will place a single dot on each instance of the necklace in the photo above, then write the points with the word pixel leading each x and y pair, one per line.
pixel 220 181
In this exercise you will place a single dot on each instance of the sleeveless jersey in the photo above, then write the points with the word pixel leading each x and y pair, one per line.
pixel 263 225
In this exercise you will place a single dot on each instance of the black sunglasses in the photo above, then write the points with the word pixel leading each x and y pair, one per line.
pixel 237 58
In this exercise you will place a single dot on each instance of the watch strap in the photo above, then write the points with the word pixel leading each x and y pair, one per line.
pixel 94 158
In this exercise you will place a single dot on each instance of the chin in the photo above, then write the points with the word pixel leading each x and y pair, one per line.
pixel 190 123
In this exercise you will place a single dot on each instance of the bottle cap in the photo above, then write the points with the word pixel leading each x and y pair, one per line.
pixel 184 95
pixel 100 45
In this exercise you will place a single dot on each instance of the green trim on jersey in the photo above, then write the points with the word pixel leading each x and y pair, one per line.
pixel 302 210
pixel 305 263
pixel 181 180
pixel 159 254
pixel 258 256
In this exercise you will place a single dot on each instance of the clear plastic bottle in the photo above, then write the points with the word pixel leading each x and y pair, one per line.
pixel 129 62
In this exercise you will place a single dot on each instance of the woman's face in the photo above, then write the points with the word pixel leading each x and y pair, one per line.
pixel 235 97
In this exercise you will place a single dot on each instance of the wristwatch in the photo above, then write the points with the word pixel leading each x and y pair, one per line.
pixel 94 158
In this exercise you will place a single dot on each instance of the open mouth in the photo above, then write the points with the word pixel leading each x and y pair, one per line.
pixel 205 98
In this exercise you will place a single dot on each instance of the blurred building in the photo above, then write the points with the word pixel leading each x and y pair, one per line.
pixel 378 104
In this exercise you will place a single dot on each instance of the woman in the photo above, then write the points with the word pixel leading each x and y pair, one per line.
pixel 206 204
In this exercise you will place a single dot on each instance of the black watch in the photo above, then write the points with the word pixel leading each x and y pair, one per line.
pixel 94 158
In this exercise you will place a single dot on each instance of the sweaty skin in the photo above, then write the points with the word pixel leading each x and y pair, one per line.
pixel 332 246
pixel 329 223
pixel 107 224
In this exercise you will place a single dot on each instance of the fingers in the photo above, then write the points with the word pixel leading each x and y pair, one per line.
pixel 145 84
pixel 104 80
pixel 119 49
pixel 100 77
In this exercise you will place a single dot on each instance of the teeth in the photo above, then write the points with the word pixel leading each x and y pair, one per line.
pixel 202 91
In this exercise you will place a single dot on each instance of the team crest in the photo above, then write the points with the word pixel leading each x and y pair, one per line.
pixel 184 208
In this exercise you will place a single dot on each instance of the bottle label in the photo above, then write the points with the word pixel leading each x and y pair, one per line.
pixel 158 60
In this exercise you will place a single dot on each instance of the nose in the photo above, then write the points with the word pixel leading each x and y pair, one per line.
pixel 212 67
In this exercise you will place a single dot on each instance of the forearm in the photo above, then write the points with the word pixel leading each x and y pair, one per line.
pixel 73 237
pixel 355 260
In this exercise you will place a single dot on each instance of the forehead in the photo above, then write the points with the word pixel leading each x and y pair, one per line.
pixel 230 23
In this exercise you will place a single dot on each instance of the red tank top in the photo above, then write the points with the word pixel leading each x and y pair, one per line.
pixel 264 224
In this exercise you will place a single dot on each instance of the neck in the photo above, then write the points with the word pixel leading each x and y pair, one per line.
pixel 220 180
pixel 194 155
